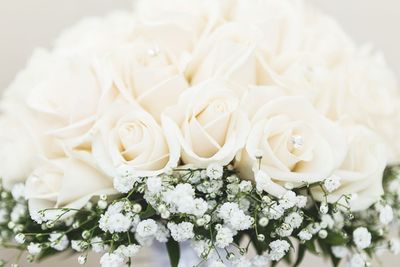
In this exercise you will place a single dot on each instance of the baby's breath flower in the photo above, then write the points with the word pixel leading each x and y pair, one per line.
pixel 294 219
pixel 358 260
pixel 224 237
pixel 34 249
pixel 215 171
pixel 332 183
pixel 340 251
pixel 58 241
pixel 362 237
pixel 97 244
pixel 20 238
pixel 386 214
pixel 154 184
pixel 111 260
pixel 147 228
pixel 18 191
pixel 304 235
pixel 127 251
pixel 78 245
pixel 278 249
pixel 182 231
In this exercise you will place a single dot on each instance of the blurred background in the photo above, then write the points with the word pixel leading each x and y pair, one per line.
pixel 26 24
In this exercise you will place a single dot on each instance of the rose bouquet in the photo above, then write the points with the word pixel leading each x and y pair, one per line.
pixel 223 124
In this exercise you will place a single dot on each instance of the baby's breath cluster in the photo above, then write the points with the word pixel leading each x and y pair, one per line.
pixel 220 215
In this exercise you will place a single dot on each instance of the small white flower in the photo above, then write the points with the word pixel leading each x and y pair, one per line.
pixel 215 171
pixel 357 260
pixel 327 221
pixel 245 186
pixel 78 245
pixel 301 202
pixel 123 184
pixel 304 235
pixel 111 260
pixel 18 191
pixel 278 249
pixel 227 210
pixel 82 259
pixel 154 184
pixel 224 237
pixel 98 245
pixel 203 248
pixel 144 241
pixel 114 223
pixel 18 212
pixel 314 228
pixel 284 230
pixel 127 251
pixel 275 211
pixel 386 214
pixel 147 228
pixel 294 219
pixel 162 235
pixel 58 241
pixel 332 183
pixel 362 237
pixel 324 208
pixel 394 245
pixel 288 200
pixel 20 238
pixel 34 249
pixel 182 231
pixel 340 251
pixel 199 208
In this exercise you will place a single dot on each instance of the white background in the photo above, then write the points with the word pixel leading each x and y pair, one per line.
pixel 26 24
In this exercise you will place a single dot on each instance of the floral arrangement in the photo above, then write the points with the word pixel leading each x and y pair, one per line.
pixel 223 125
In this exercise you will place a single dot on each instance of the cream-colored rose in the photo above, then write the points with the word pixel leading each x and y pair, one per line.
pixel 128 136
pixel 296 143
pixel 65 105
pixel 148 71
pixel 362 170
pixel 370 95
pixel 198 16
pixel 64 183
pixel 18 150
pixel 207 123
pixel 231 52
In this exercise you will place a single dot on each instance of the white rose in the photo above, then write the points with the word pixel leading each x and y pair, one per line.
pixel 17 150
pixel 93 35
pixel 207 123
pixel 56 103
pixel 296 143
pixel 148 70
pixel 231 52
pixel 64 182
pixel 369 94
pixel 128 136
pixel 362 170
pixel 198 16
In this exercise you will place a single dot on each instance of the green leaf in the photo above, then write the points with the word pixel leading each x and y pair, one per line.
pixel 149 212
pixel 335 239
pixel 310 245
pixel 173 252
pixel 301 251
